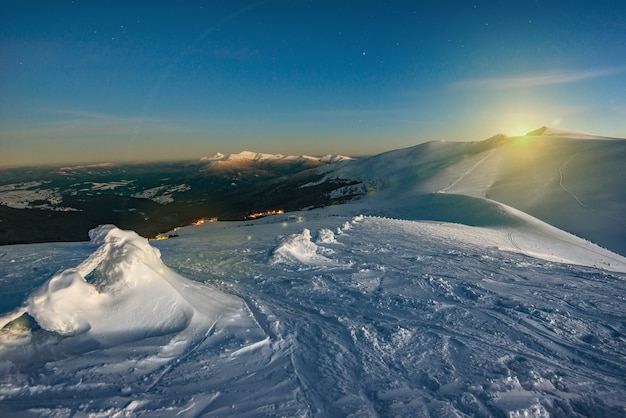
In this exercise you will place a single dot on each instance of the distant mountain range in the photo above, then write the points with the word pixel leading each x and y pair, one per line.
pixel 568 179
pixel 248 156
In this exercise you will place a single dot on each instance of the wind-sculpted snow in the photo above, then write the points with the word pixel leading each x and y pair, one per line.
pixel 300 249
pixel 341 316
pixel 121 321
pixel 107 309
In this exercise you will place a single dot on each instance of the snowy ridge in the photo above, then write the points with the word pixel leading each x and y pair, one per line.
pixel 86 167
pixel 551 131
pixel 564 178
pixel 261 157
pixel 334 158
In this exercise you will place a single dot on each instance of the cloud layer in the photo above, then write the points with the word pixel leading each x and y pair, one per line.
pixel 534 80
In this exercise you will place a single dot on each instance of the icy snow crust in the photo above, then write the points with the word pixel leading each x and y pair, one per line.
pixel 323 314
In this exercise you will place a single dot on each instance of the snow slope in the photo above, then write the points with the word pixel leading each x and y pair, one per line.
pixel 332 312
pixel 321 314
pixel 567 179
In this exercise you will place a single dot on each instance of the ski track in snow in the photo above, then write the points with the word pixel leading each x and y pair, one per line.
pixel 385 318
pixel 468 172
pixel 561 179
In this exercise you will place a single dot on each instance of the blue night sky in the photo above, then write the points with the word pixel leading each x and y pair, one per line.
pixel 88 81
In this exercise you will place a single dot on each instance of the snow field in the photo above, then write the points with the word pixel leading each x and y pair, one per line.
pixel 332 316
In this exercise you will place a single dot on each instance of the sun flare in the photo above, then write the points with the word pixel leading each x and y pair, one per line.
pixel 520 129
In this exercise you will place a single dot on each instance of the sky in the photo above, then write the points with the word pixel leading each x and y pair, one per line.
pixel 93 81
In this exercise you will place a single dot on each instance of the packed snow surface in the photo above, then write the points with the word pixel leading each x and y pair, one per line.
pixel 323 314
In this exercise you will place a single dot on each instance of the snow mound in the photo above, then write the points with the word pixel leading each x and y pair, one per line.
pixel 300 249
pixel 123 268
pixel 121 293
pixel 326 236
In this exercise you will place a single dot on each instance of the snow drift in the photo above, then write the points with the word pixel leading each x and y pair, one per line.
pixel 301 250
pixel 123 269
pixel 121 293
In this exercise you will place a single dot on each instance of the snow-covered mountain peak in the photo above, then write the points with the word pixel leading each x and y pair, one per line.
pixel 215 157
pixel 334 158
pixel 245 156
pixel 565 133
pixel 254 156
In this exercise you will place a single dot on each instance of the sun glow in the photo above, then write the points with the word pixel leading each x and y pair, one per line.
pixel 520 129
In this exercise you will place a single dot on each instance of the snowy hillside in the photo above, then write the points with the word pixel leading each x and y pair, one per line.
pixel 570 180
pixel 317 313
pixel 359 309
